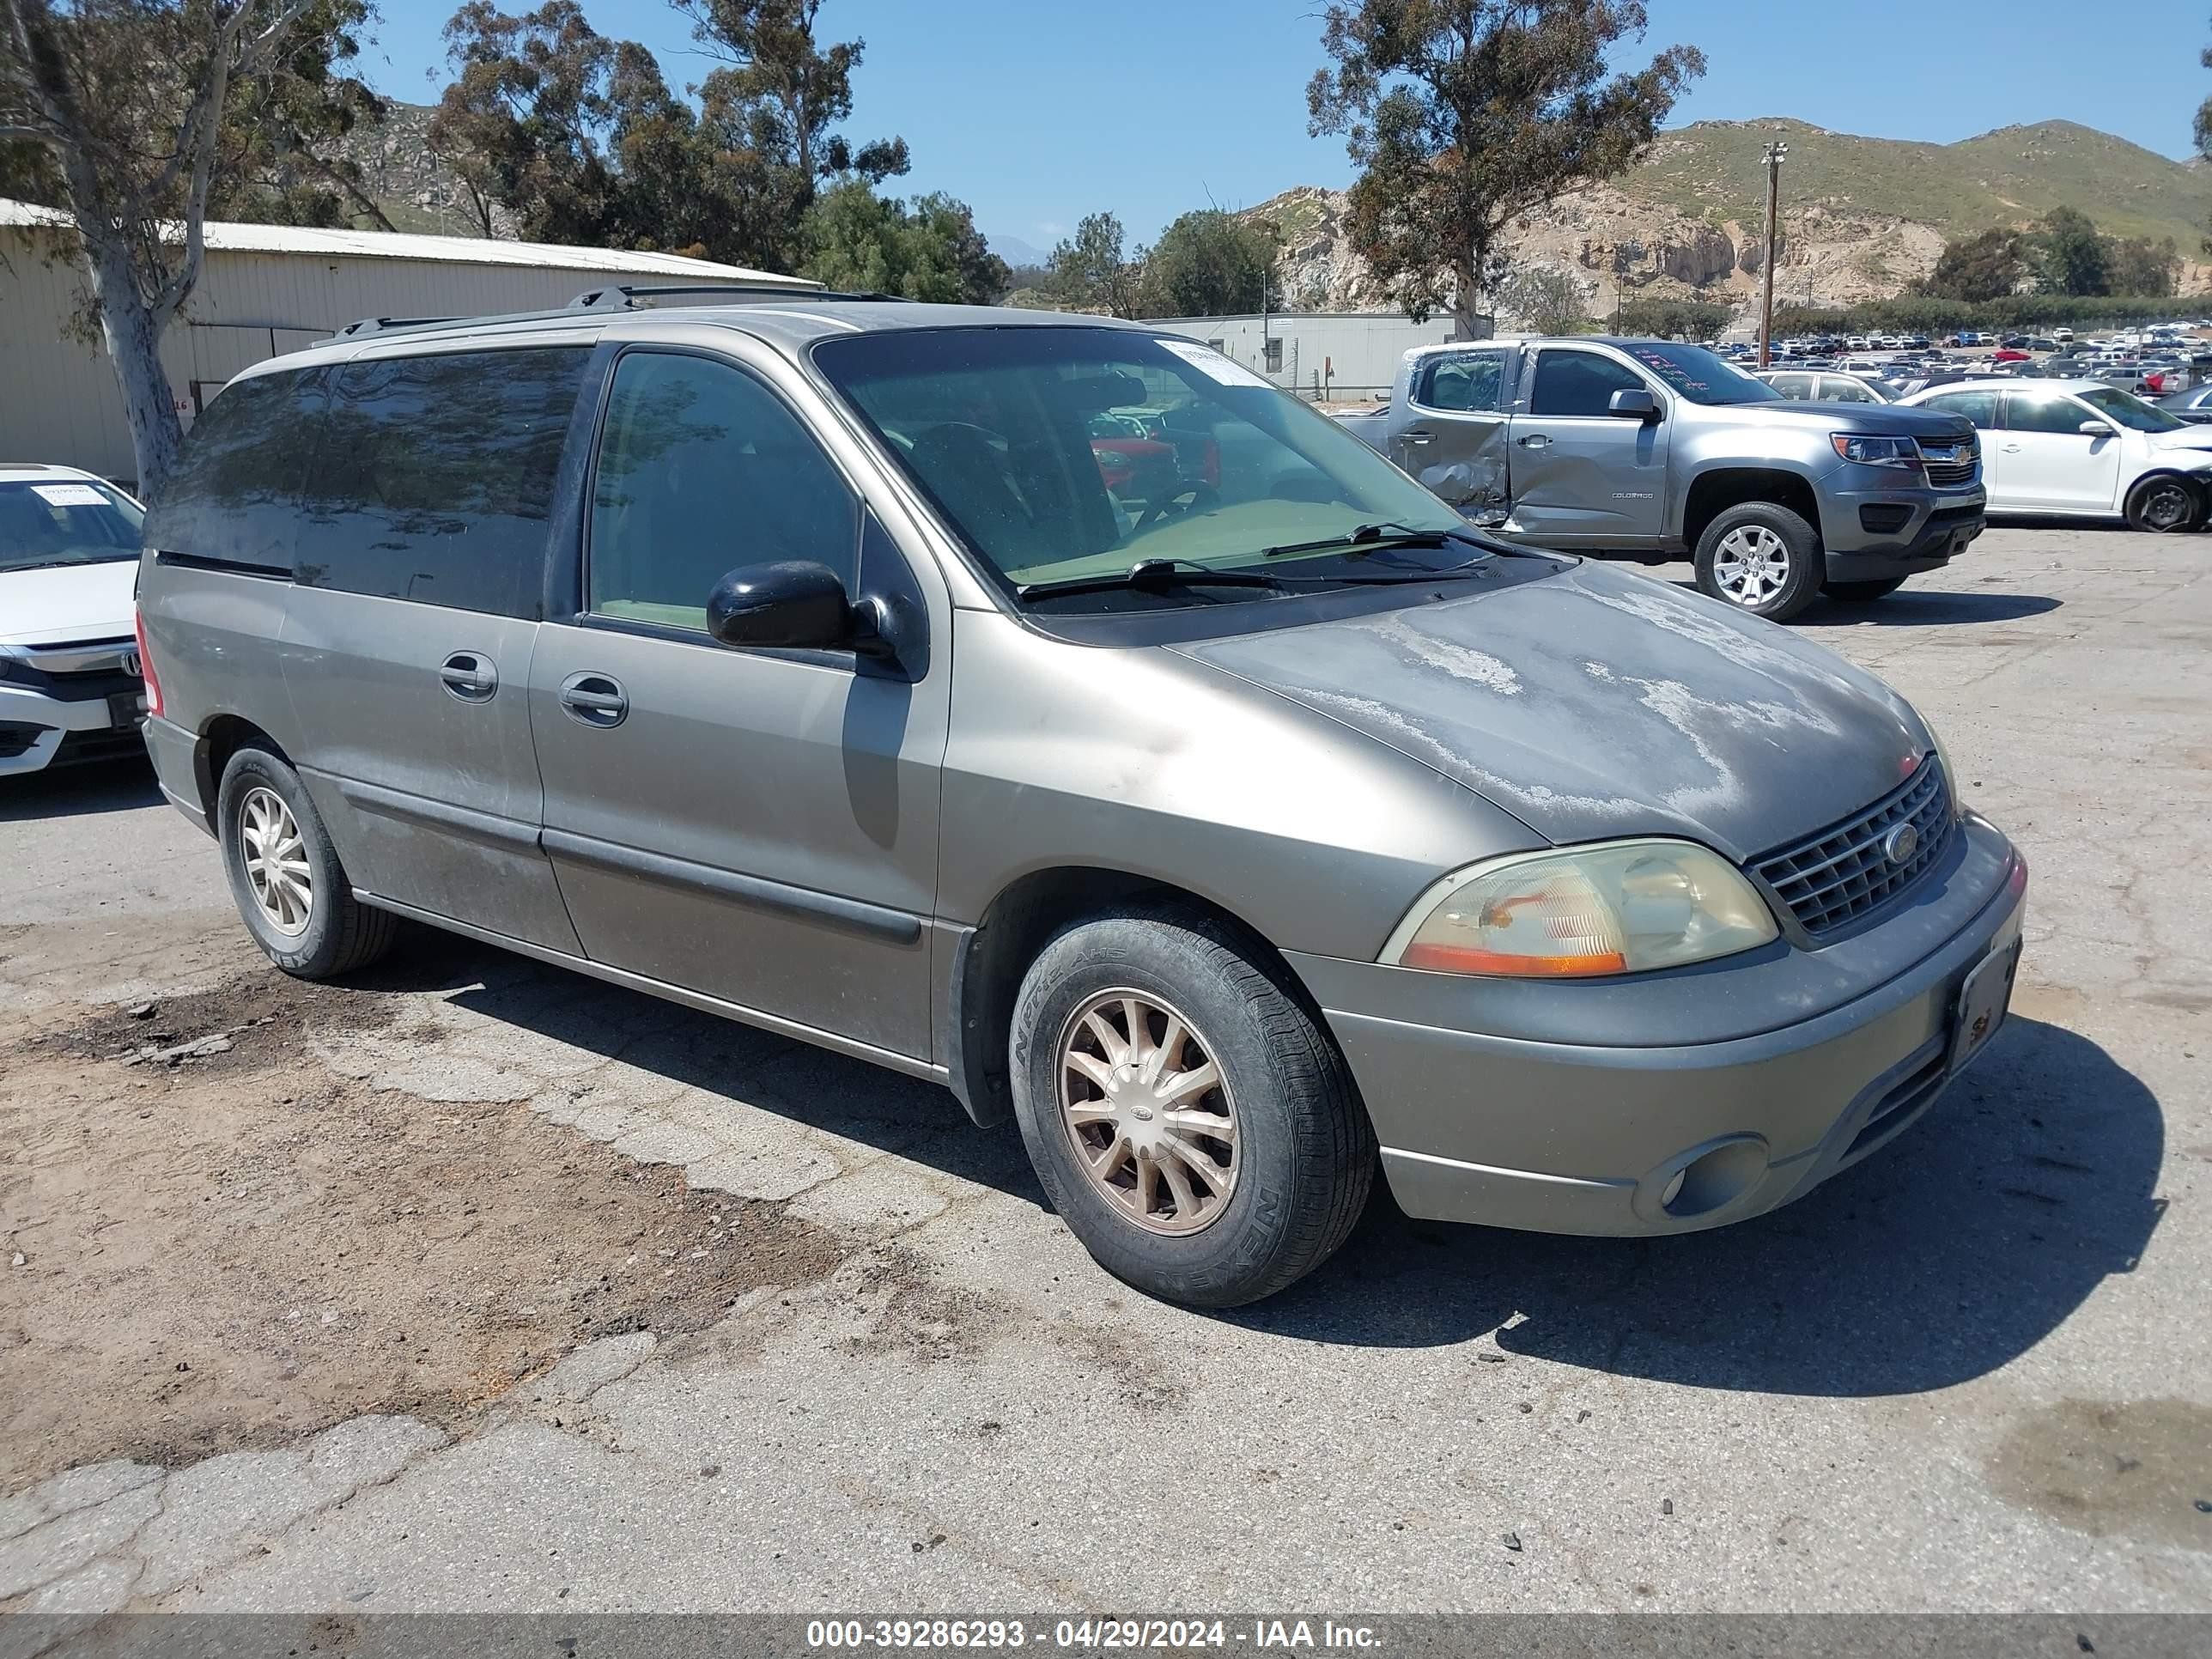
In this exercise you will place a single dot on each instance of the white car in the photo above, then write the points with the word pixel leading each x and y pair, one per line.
pixel 2084 449
pixel 70 686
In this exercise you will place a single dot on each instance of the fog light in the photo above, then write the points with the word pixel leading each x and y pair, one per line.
pixel 1673 1188
pixel 1703 1179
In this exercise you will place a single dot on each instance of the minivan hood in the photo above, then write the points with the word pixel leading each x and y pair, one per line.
pixel 62 602
pixel 1599 703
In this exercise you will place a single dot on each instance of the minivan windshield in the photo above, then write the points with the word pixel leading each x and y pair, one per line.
pixel 66 521
pixel 1702 376
pixel 2129 410
pixel 1062 453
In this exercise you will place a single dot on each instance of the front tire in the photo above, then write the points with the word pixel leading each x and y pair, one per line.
pixel 2164 505
pixel 1862 593
pixel 1191 1122
pixel 285 875
pixel 1759 557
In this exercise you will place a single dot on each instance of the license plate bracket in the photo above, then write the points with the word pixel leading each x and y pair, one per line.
pixel 126 709
pixel 1984 1000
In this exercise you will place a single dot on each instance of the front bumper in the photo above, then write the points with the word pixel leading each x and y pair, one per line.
pixel 38 730
pixel 1872 530
pixel 1587 1137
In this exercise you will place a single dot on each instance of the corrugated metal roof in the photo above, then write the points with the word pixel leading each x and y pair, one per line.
pixel 450 250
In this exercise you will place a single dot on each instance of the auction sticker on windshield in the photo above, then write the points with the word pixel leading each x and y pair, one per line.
pixel 70 494
pixel 1214 366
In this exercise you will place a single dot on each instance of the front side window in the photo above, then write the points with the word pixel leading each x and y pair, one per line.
pixel 234 494
pixel 702 469
pixel 433 478
pixel 1582 383
pixel 1979 407
pixel 2129 410
pixel 1792 385
pixel 2056 416
pixel 1060 452
pixel 66 521
pixel 1465 382
pixel 1842 389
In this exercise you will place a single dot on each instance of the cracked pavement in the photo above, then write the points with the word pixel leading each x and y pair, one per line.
pixel 1970 1374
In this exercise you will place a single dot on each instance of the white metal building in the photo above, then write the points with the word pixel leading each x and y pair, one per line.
pixel 264 289
pixel 1317 354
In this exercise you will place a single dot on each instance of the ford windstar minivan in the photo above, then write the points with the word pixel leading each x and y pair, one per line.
pixel 1051 708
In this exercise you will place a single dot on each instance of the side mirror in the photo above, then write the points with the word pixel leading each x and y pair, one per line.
pixel 1637 405
pixel 796 604
pixel 2095 428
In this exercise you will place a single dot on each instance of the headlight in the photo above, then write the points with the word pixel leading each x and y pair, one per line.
pixel 1621 908
pixel 1876 452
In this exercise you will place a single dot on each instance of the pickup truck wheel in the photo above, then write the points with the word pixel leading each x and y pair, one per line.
pixel 1862 593
pixel 1193 1127
pixel 1759 557
pixel 2163 505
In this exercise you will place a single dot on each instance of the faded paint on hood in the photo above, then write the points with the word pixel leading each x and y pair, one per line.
pixel 1599 703
pixel 63 604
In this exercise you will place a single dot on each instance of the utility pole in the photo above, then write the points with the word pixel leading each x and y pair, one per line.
pixel 1775 152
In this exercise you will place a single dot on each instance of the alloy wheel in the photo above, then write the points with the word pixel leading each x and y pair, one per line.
pixel 275 859
pixel 1751 564
pixel 1150 1116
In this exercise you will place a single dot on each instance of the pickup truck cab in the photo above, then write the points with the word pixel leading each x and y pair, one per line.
pixel 1651 450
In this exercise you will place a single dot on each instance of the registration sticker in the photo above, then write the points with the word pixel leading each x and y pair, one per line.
pixel 70 494
pixel 1213 365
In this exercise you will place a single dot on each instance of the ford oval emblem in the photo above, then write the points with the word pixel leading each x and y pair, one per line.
pixel 1901 843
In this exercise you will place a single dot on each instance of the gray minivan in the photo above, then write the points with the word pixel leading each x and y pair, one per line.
pixel 1050 708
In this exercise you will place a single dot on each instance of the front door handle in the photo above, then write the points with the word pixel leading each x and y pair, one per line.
pixel 1418 437
pixel 1535 441
pixel 469 675
pixel 594 699
pixel 2009 449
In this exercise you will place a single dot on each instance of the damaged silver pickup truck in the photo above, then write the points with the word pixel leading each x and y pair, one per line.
pixel 1651 450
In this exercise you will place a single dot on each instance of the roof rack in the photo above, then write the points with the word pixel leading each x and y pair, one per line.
pixel 361 325
pixel 630 296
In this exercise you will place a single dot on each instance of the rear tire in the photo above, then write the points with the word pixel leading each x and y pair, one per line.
pixel 1300 1152
pixel 1759 557
pixel 1862 593
pixel 2163 506
pixel 290 888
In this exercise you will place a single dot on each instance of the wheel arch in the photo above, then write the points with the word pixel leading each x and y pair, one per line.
pixel 991 959
pixel 221 737
pixel 1714 490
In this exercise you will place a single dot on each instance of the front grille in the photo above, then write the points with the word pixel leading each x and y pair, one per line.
pixel 1950 464
pixel 1840 874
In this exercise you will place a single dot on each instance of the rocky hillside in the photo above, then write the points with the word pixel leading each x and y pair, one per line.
pixel 415 190
pixel 1861 217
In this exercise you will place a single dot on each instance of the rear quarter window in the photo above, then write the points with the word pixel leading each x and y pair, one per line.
pixel 434 477
pixel 233 495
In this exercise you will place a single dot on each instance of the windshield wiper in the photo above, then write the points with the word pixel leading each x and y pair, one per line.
pixel 1364 538
pixel 1155 574
pixel 1158 574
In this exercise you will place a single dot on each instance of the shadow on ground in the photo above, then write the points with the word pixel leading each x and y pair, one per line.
pixel 1912 607
pixel 70 792
pixel 1953 1252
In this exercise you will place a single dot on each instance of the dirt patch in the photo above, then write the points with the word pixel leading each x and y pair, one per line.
pixel 238 1250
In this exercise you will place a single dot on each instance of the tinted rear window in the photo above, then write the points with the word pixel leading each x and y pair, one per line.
pixel 233 493
pixel 433 480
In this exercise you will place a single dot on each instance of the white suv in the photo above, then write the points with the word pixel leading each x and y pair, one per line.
pixel 70 686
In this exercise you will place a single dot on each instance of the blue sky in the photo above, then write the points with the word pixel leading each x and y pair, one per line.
pixel 1036 111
